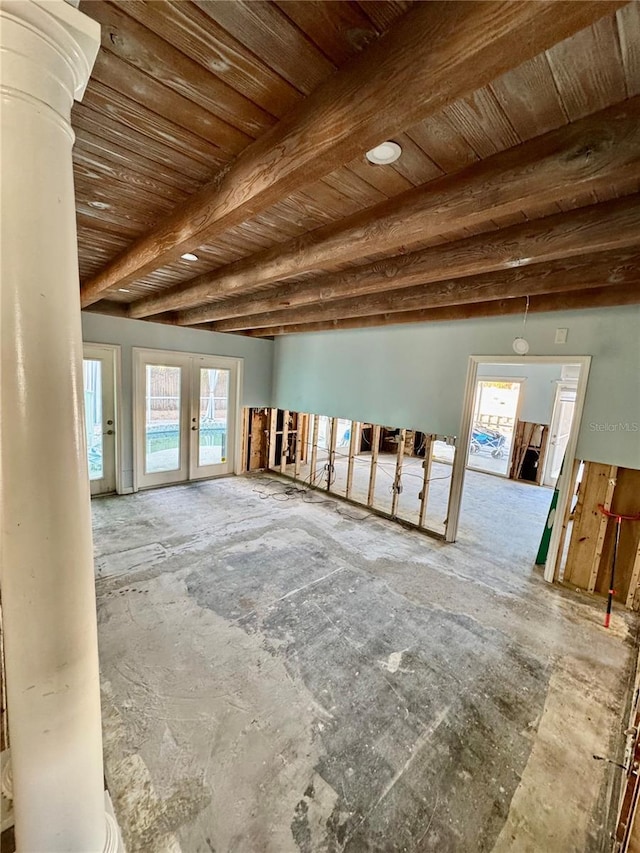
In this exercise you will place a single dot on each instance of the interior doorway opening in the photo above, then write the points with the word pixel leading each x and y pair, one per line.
pixel 527 411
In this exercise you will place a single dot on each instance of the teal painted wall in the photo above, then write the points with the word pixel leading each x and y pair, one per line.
pixel 414 376
pixel 538 391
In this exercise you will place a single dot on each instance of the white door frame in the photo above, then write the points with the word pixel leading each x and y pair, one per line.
pixel 514 380
pixel 459 464
pixel 233 459
pixel 561 385
pixel 186 360
pixel 112 353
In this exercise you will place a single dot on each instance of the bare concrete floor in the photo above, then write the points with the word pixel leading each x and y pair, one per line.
pixel 280 677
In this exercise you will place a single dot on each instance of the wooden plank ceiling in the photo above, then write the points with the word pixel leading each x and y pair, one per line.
pixel 236 130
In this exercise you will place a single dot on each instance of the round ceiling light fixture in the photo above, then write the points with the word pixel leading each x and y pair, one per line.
pixel 520 346
pixel 189 256
pixel 383 154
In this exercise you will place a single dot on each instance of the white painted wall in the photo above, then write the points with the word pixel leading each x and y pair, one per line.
pixel 257 355
pixel 538 391
pixel 414 376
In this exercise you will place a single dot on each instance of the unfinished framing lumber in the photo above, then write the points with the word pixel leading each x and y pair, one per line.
pixel 451 497
pixel 258 439
pixel 352 452
pixel 271 447
pixel 545 170
pixel 304 433
pixel 331 460
pixel 375 447
pixel 586 524
pixel 284 447
pixel 635 580
pixel 591 546
pixel 602 529
pixel 313 463
pixel 626 501
pixel 246 417
pixel 426 479
pixel 297 458
pixel 397 480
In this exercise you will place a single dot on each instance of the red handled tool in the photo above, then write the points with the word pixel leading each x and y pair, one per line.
pixel 619 519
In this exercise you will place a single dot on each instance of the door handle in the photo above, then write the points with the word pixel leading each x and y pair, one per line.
pixel 194 429
pixel 109 432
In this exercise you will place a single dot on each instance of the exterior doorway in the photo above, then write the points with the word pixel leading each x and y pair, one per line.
pixel 99 370
pixel 495 413
pixel 185 416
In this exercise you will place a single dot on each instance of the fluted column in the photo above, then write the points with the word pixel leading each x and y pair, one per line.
pixel 48 598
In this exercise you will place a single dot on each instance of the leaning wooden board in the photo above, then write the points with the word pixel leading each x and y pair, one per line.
pixel 586 524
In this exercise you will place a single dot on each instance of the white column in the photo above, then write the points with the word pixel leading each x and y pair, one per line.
pixel 48 599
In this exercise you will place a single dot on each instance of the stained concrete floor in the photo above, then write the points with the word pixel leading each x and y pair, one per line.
pixel 278 676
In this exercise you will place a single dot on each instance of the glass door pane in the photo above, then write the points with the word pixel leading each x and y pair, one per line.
pixel 162 418
pixel 92 376
pixel 185 418
pixel 213 426
pixel 98 379
pixel 495 411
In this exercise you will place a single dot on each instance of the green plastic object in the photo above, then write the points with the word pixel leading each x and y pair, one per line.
pixel 543 550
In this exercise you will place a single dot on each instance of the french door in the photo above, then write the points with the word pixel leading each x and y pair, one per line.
pixel 185 413
pixel 99 374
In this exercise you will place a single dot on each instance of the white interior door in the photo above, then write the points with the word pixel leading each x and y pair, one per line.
pixel 185 415
pixel 98 373
pixel 561 421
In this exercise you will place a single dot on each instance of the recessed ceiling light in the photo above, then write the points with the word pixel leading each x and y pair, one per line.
pixel 99 205
pixel 123 290
pixel 189 256
pixel 386 152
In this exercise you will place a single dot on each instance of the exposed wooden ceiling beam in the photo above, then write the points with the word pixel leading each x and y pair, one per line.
pixel 579 274
pixel 598 297
pixel 601 227
pixel 395 83
pixel 589 155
